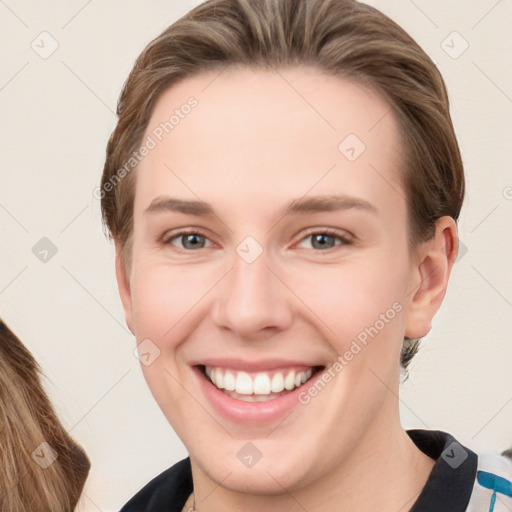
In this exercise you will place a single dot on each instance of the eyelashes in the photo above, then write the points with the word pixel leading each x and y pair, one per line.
pixel 193 240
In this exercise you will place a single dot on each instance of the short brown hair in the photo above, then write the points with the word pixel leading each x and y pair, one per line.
pixel 344 38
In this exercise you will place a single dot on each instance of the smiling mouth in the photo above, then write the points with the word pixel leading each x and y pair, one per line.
pixel 260 386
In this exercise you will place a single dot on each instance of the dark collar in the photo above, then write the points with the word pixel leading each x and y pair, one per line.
pixel 450 484
pixel 448 488
pixel 168 491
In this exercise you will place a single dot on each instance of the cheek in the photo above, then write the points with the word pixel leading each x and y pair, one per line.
pixel 166 300
pixel 351 296
pixel 163 295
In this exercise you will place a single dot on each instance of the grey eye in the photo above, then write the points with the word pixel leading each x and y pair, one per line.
pixel 323 241
pixel 189 241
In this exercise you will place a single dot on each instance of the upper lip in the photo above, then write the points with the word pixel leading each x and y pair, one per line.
pixel 254 366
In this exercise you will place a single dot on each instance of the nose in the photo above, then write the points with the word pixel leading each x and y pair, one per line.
pixel 252 301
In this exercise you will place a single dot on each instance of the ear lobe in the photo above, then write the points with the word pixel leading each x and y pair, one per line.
pixel 436 259
pixel 124 288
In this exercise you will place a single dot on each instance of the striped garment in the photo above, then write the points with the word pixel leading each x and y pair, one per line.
pixel 492 490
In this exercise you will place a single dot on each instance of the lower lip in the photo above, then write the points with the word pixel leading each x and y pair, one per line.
pixel 239 411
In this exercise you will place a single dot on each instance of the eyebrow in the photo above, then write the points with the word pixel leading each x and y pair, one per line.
pixel 314 204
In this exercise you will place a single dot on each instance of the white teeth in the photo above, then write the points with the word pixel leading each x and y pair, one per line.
pixel 243 384
pixel 277 383
pixel 261 387
pixel 261 384
pixel 289 381
pixel 217 378
pixel 229 381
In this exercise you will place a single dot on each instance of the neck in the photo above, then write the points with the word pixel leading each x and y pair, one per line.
pixel 385 472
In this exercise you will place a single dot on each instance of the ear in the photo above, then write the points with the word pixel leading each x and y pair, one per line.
pixel 123 285
pixel 431 270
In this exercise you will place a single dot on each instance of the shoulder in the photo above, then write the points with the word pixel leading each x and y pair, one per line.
pixel 450 482
pixel 492 489
pixel 461 480
pixel 168 491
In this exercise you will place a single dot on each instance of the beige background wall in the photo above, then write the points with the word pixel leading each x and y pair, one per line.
pixel 56 115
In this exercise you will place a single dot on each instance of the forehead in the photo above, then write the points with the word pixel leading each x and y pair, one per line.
pixel 254 133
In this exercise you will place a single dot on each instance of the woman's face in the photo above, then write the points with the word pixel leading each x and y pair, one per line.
pixel 270 244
